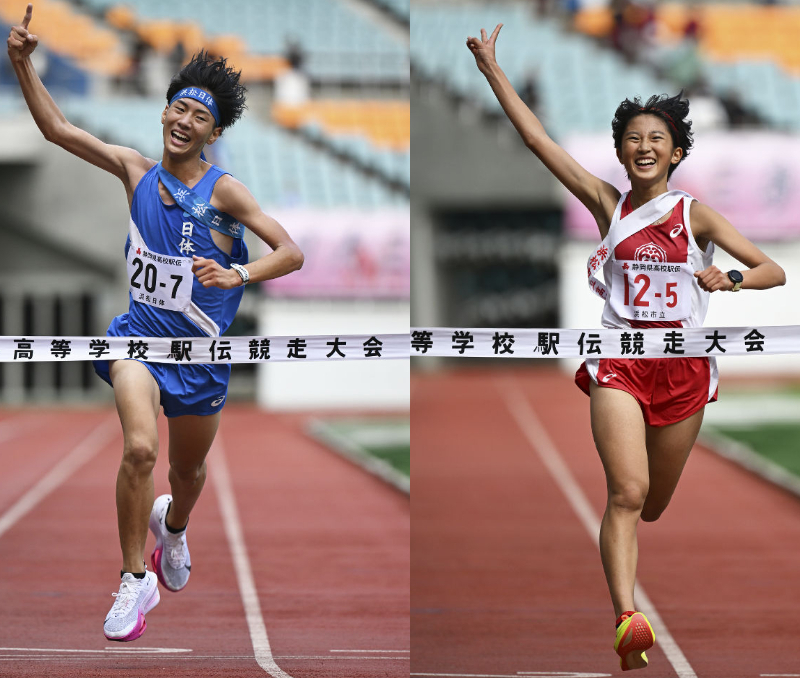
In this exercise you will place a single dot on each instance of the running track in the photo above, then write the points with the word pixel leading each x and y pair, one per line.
pixel 325 547
pixel 507 581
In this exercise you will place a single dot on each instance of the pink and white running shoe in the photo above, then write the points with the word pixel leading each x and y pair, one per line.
pixel 136 597
pixel 170 557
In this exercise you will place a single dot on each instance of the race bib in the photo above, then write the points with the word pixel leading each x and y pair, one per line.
pixel 645 290
pixel 160 280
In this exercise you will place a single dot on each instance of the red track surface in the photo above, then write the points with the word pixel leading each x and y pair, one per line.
pixel 505 579
pixel 327 543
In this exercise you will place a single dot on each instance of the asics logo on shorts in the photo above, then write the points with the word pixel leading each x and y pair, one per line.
pixel 608 377
pixel 675 232
pixel 218 401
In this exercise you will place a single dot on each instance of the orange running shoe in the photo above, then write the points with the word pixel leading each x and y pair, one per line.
pixel 634 636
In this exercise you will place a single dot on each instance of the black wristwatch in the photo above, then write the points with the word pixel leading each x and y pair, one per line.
pixel 737 279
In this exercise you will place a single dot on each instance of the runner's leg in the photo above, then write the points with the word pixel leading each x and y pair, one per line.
pixel 668 449
pixel 190 438
pixel 619 434
pixel 137 397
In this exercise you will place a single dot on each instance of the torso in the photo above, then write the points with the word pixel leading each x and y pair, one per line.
pixel 137 172
pixel 669 241
pixel 161 226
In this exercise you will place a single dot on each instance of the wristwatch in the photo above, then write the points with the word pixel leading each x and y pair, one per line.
pixel 737 279
pixel 244 273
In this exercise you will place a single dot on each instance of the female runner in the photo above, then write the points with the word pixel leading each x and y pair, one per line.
pixel 186 218
pixel 645 414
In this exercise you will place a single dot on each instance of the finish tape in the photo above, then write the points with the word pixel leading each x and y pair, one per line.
pixel 197 350
pixel 670 342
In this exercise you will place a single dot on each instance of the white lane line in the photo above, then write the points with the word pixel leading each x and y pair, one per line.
pixel 377 651
pixel 551 674
pixel 115 650
pixel 789 675
pixel 80 454
pixel 542 444
pixel 164 656
pixel 241 562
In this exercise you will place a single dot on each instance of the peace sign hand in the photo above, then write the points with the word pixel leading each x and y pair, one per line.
pixel 483 49
pixel 21 43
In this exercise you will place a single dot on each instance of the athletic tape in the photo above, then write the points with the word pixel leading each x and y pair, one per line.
pixel 187 350
pixel 668 342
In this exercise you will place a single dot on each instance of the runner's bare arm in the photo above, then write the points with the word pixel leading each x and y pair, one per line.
pixel 118 160
pixel 598 196
pixel 762 273
pixel 231 196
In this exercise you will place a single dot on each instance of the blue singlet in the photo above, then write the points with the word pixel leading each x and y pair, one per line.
pixel 169 230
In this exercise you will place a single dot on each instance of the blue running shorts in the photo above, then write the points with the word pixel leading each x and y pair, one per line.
pixel 186 388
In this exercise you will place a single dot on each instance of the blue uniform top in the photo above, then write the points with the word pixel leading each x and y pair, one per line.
pixel 169 230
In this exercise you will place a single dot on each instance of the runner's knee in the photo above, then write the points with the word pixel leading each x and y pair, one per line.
pixel 187 473
pixel 628 496
pixel 140 454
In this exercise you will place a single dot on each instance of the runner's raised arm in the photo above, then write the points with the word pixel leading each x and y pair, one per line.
pixel 117 160
pixel 599 197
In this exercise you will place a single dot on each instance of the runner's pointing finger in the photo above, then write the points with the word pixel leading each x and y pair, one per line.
pixel 495 33
pixel 27 18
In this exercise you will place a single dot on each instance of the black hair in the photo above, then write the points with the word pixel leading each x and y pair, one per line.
pixel 218 79
pixel 672 110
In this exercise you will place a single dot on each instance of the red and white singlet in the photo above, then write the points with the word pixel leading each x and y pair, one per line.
pixel 650 280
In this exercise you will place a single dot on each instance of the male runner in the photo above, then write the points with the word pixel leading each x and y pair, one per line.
pixel 185 232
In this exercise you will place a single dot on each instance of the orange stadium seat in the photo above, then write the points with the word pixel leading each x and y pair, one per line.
pixel 75 35
pixel 385 123
pixel 121 17
pixel 596 21
pixel 727 32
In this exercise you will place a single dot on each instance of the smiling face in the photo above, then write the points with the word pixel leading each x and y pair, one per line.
pixel 188 126
pixel 647 150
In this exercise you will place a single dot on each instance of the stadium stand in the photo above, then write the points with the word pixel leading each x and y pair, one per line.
pixel 72 34
pixel 339 44
pixel 373 134
pixel 745 50
pixel 398 8
pixel 578 81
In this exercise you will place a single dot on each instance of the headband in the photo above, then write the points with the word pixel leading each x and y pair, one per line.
pixel 198 95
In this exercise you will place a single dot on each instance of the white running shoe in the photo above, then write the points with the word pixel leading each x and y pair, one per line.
pixel 136 597
pixel 170 557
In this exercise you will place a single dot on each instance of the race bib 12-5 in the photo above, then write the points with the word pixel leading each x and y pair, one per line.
pixel 645 290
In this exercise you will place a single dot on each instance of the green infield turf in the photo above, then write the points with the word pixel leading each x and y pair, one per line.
pixel 381 446
pixel 778 442
pixel 767 421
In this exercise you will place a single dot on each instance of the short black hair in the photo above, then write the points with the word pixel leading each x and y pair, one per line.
pixel 672 110
pixel 218 79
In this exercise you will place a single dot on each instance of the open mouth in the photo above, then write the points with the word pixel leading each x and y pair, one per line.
pixel 179 138
pixel 645 162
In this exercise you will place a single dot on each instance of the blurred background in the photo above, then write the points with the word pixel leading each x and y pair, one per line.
pixel 497 242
